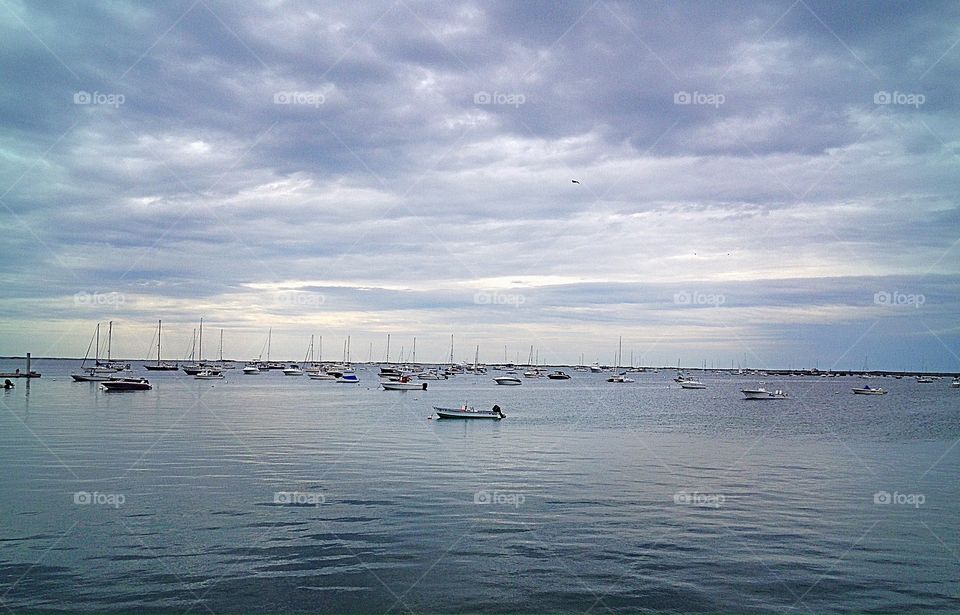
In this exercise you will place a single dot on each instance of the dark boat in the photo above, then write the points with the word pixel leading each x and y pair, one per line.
pixel 126 384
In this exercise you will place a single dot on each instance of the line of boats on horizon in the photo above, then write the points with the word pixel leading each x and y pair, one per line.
pixel 194 363
pixel 411 376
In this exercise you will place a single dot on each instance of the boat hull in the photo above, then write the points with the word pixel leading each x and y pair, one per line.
pixel 404 386
pixel 126 385
pixel 761 394
pixel 460 413
pixel 509 382
pixel 89 378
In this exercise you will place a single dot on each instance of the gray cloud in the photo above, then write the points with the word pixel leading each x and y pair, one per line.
pixel 396 159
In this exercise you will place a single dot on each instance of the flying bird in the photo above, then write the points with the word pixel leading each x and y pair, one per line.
pixel 574 181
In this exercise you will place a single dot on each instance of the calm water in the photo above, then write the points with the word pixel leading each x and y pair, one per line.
pixel 277 494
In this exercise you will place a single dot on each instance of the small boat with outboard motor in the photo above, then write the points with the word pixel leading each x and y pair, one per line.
pixel 469 412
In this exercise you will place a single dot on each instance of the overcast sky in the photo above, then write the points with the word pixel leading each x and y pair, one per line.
pixel 768 182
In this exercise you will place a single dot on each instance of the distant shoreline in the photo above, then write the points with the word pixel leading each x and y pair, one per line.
pixel 650 368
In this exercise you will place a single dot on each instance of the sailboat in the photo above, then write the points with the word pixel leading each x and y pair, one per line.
pixel 195 367
pixel 297 370
pixel 110 365
pixel 533 371
pixel 192 367
pixel 160 366
pixel 620 377
pixel 270 364
pixel 93 374
pixel 221 364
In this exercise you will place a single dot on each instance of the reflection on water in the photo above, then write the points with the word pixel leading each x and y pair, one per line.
pixel 270 493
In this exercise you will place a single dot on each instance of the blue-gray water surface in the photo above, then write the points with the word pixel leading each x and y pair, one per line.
pixel 270 493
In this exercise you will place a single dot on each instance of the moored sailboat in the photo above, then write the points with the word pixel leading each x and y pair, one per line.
pixel 160 366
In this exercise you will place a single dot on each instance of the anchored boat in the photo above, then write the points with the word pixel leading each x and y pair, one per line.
pixel 126 384
pixel 762 393
pixel 468 412
pixel 511 379
pixel 868 390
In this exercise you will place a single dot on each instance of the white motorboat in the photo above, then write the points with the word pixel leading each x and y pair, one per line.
pixel 558 375
pixel 762 393
pixel 251 369
pixel 956 383
pixel 431 374
pixel 689 383
pixel 403 384
pixel 924 380
pixel 321 375
pixel 868 390
pixel 293 370
pixel 209 374
pixel 620 378
pixel 511 379
pixel 468 412
pixel 595 368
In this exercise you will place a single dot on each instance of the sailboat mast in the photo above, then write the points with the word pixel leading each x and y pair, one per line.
pixel 269 337
pixel 451 349
pixel 109 341
pixel 388 347
pixel 348 349
pixel 159 331
pixel 414 349
pixel 96 357
pixel 221 345
pixel 201 339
